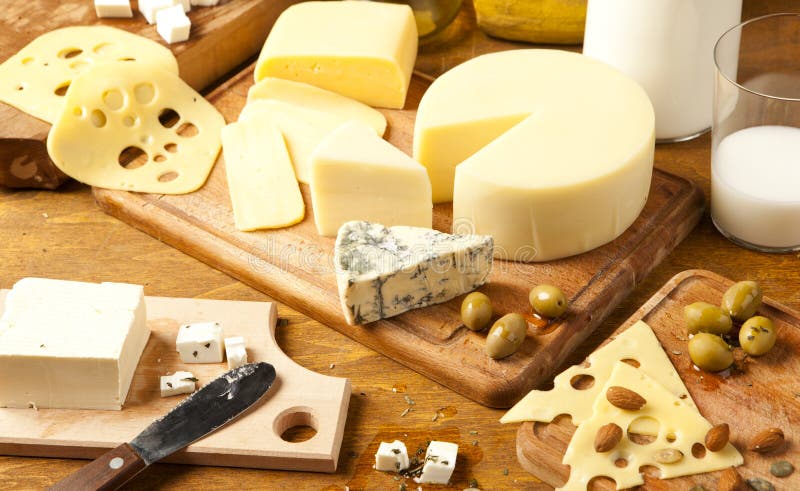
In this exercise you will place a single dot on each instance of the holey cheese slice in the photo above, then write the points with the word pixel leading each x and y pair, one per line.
pixel 36 79
pixel 570 395
pixel 382 272
pixel 135 127
pixel 680 427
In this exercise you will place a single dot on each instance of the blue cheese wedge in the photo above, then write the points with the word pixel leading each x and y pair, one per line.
pixel 382 272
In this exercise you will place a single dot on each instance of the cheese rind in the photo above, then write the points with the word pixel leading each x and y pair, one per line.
pixel 362 50
pixel 200 342
pixel 382 272
pixel 68 344
pixel 177 383
pixel 356 175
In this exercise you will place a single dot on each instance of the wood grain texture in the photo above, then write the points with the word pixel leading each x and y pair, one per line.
pixel 298 397
pixel 762 392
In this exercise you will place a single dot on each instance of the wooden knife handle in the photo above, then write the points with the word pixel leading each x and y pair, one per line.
pixel 109 471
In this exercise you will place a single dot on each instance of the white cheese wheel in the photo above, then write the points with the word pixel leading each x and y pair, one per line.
pixel 548 151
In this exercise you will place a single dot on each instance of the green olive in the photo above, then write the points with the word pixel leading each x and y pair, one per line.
pixel 548 301
pixel 710 352
pixel 476 311
pixel 704 317
pixel 757 335
pixel 742 300
pixel 506 336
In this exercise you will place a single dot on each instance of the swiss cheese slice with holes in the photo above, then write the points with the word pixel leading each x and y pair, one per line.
pixel 135 127
pixel 637 344
pixel 680 427
pixel 35 80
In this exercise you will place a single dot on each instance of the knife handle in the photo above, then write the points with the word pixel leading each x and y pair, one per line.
pixel 109 471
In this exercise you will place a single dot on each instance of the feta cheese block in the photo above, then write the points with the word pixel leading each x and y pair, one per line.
pixel 357 175
pixel 680 426
pixel 172 24
pixel 382 272
pixel 71 345
pixel 391 457
pixel 200 342
pixel 235 352
pixel 362 50
pixel 549 152
pixel 177 383
pixel 440 462
pixel 113 8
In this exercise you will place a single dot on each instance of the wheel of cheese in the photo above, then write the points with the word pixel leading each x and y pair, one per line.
pixel 550 152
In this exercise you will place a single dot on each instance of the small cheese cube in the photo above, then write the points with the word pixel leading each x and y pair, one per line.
pixel 187 5
pixel 148 8
pixel 113 8
pixel 200 342
pixel 177 383
pixel 235 352
pixel 204 3
pixel 391 457
pixel 440 461
pixel 172 24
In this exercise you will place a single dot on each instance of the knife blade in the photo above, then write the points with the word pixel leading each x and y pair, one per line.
pixel 203 412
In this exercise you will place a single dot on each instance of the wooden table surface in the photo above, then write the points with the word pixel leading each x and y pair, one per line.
pixel 63 234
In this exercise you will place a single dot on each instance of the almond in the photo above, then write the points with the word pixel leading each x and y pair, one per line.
pixel 730 480
pixel 767 441
pixel 717 437
pixel 608 436
pixel 625 398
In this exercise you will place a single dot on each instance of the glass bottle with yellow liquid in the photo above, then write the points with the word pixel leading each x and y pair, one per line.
pixel 432 15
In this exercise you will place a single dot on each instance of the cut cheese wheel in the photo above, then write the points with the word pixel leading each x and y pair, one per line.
pixel 680 427
pixel 363 50
pixel 356 175
pixel 313 97
pixel 575 388
pixel 36 79
pixel 263 189
pixel 563 150
pixel 135 127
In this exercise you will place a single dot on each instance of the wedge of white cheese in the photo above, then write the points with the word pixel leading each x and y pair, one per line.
pixel 382 272
pixel 67 344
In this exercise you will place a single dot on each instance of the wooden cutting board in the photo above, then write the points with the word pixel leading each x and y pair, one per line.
pixel 298 398
pixel 294 265
pixel 764 394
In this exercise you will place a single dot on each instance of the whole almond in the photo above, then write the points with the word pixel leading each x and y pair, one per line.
pixel 625 398
pixel 730 480
pixel 717 437
pixel 608 436
pixel 767 441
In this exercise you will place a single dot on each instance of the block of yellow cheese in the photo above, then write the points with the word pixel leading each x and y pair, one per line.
pixel 356 175
pixel 363 50
pixel 549 152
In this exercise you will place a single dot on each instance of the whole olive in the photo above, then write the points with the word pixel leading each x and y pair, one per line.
pixel 757 335
pixel 476 311
pixel 742 300
pixel 548 301
pixel 704 317
pixel 710 352
pixel 506 336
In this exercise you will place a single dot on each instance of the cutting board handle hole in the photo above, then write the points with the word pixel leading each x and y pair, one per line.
pixel 296 424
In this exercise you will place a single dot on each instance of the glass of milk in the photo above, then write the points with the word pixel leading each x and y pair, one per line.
pixel 755 152
pixel 667 46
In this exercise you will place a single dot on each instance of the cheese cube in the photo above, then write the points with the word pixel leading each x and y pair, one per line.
pixel 235 352
pixel 200 342
pixel 440 461
pixel 113 8
pixel 391 457
pixel 177 383
pixel 363 50
pixel 187 5
pixel 172 24
pixel 204 3
pixel 149 8
pixel 68 344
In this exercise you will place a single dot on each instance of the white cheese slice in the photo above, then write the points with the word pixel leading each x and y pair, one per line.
pixel 637 344
pixel 116 110
pixel 36 79
pixel 235 352
pixel 200 342
pixel 680 427
pixel 391 457
pixel 357 175
pixel 177 383
pixel 113 8
pixel 261 181
pixel 68 344
pixel 382 272
pixel 440 462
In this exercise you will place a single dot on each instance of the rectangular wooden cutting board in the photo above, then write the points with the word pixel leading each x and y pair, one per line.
pixel 764 393
pixel 295 265
pixel 298 397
